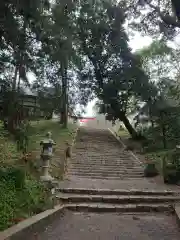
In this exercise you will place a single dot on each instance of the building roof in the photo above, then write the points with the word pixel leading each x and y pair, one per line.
pixel 28 91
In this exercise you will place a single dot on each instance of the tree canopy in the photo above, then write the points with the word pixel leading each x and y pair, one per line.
pixel 154 17
pixel 80 48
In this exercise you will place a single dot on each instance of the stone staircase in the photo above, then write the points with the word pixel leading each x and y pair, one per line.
pixel 100 161
pixel 98 155
pixel 106 200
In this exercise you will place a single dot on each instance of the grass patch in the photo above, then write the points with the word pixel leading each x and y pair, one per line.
pixel 122 132
pixel 8 149
pixel 38 130
pixel 60 135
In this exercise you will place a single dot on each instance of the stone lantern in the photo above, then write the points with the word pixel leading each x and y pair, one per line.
pixel 46 155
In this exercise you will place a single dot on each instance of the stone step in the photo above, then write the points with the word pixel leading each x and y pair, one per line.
pixel 107 170
pixel 99 154
pixel 101 160
pixel 115 199
pixel 101 157
pixel 98 146
pixel 124 192
pixel 102 166
pixel 93 141
pixel 105 178
pixel 104 172
pixel 103 163
pixel 122 208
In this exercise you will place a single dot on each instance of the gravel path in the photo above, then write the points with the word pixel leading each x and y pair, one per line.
pixel 107 226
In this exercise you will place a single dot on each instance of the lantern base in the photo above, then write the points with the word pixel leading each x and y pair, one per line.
pixel 46 178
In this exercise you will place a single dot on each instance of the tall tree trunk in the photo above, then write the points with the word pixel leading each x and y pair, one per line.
pixel 14 83
pixel 64 114
pixel 122 117
pixel 65 98
pixel 128 126
pixel 163 130
pixel 12 102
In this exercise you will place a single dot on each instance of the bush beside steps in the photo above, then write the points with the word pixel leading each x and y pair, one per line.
pixel 21 196
pixel 150 170
pixel 171 174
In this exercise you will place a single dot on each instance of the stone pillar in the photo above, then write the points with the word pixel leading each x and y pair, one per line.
pixel 45 176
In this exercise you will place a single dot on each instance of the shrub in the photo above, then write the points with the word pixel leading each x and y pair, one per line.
pixel 171 167
pixel 22 136
pixel 19 203
pixel 150 170
pixel 14 175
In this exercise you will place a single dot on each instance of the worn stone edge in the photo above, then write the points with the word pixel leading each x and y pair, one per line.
pixel 130 152
pixel 32 222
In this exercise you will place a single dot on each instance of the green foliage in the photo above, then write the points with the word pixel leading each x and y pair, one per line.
pixel 110 70
pixel 173 157
pixel 171 167
pixel 50 99
pixel 22 136
pixel 171 174
pixel 21 195
pixel 153 17
pixel 8 150
pixel 156 48
pixel 167 163
pixel 160 61
pixel 14 175
pixel 59 134
pixel 38 130
pixel 156 136
pixel 81 47
pixel 150 170
pixel 18 204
